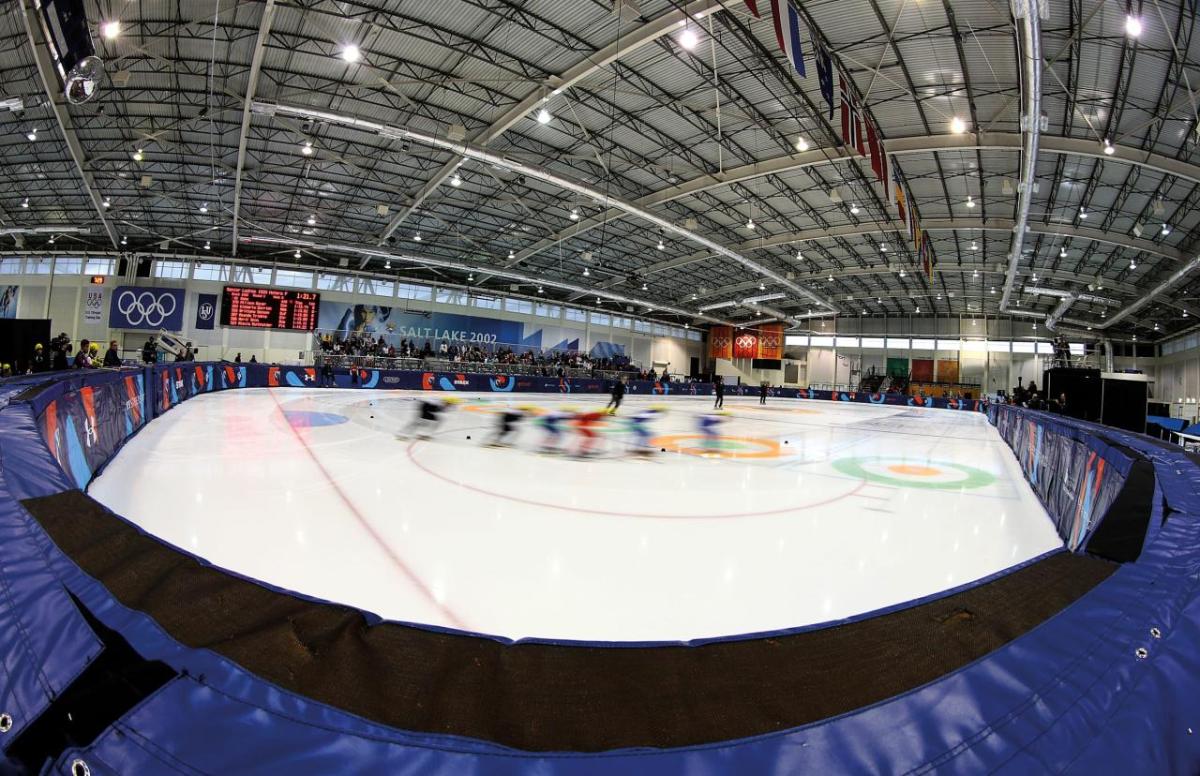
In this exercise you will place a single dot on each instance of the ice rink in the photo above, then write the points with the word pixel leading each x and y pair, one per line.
pixel 796 513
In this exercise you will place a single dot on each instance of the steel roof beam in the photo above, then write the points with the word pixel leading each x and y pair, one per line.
pixel 260 47
pixel 624 45
pixel 49 81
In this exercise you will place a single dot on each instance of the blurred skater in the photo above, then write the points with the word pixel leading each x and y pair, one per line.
pixel 586 423
pixel 507 423
pixel 552 423
pixel 708 429
pixel 639 426
pixel 618 393
pixel 719 390
pixel 762 392
pixel 427 419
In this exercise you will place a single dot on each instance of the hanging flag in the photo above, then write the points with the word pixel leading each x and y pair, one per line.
pixel 851 121
pixel 876 151
pixel 900 200
pixel 916 235
pixel 824 71
pixel 753 6
pixel 787 33
pixel 926 259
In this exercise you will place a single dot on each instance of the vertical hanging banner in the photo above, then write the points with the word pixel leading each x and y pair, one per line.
pixel 93 307
pixel 745 344
pixel 787 33
pixel 753 6
pixel 770 341
pixel 720 342
pixel 206 311
pixel 9 296
pixel 824 71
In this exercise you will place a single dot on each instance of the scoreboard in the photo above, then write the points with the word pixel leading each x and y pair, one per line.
pixel 270 308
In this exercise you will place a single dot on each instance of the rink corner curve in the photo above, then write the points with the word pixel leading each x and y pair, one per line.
pixel 1109 684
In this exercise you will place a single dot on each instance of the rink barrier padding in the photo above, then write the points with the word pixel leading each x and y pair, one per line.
pixel 1110 684
pixel 516 695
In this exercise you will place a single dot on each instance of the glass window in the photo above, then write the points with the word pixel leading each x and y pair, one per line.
pixel 100 266
pixel 256 275
pixel 600 319
pixel 658 329
pixel 206 271
pixel 523 306
pixel 873 342
pixel 543 310
pixel 796 340
pixel 897 343
pixel 451 296
pixel 922 344
pixel 641 327
pixel 678 333
pixel 294 278
pixel 68 266
pixel 846 342
pixel 10 266
pixel 37 266
pixel 695 336
pixel 1076 348
pixel 975 346
pixel 998 346
pixel 821 342
pixel 174 270
pixel 412 291
pixel 376 287
pixel 486 302
pixel 952 345
pixel 1023 347
pixel 1046 348
pixel 330 281
pixel 575 314
pixel 621 323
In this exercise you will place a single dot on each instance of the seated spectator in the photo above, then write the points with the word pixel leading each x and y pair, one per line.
pixel 112 357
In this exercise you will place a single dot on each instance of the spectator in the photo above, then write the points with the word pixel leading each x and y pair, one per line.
pixel 253 360
pixel 237 359
pixel 149 351
pixel 112 357
pixel 40 362
pixel 83 359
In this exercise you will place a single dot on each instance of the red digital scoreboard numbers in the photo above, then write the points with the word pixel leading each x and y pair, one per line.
pixel 270 308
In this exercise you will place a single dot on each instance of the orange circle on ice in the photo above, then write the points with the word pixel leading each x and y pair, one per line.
pixel 719 446
pixel 914 471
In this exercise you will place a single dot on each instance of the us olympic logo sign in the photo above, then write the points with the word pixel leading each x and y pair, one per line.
pixel 146 308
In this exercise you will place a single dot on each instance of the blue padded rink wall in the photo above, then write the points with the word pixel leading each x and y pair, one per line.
pixel 1109 684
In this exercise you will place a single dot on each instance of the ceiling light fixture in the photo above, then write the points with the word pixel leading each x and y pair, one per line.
pixel 456 180
pixel 902 272
pixel 307 149
pixel 543 116
pixel 297 253
pixel 957 125
pixel 688 39
pixel 1132 264
pixel 970 201
pixel 312 221
pixel 1108 148
pixel 417 237
pixel 107 203
pixel 660 245
pixel 1166 229
pixel 471 277
pixel 574 214
pixel 110 30
pixel 351 54
pixel 750 223
pixel 541 290
pixel 974 245
pixel 204 207
pixel 1133 26
pixel 207 245
pixel 586 273
pixel 387 264
pixel 32 134
pixel 52 239
pixel 801 144
pixel 853 209
pixel 1082 213
pixel 124 241
pixel 138 155
pixel 645 287
pixel 1062 252
pixel 25 202
pixel 512 255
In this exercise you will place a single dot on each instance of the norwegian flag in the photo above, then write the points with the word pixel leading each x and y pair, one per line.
pixel 753 6
pixel 787 33
pixel 852 134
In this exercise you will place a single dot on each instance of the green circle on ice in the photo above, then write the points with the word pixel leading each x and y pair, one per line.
pixel 905 473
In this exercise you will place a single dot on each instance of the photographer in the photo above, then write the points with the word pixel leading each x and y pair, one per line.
pixel 149 352
pixel 60 348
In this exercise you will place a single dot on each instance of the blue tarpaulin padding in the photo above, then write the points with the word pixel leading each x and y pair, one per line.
pixel 1109 685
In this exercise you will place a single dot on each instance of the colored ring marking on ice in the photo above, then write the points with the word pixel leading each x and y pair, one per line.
pixel 718 447
pixel 910 475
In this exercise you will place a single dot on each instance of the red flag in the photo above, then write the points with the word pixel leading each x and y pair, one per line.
pixel 753 6
pixel 876 155
pixel 777 14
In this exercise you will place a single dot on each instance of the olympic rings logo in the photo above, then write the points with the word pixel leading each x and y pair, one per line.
pixel 145 307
